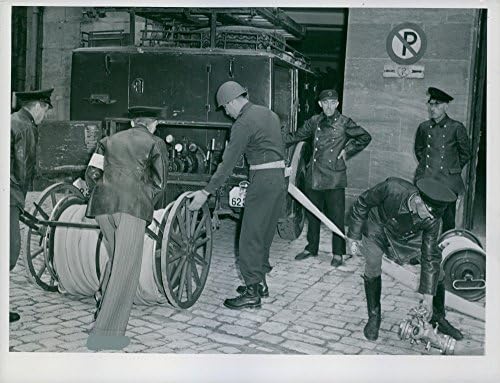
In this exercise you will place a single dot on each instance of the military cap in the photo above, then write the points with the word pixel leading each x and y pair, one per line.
pixel 328 93
pixel 146 111
pixel 434 192
pixel 43 95
pixel 438 95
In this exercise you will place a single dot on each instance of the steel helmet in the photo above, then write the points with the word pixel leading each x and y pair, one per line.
pixel 228 92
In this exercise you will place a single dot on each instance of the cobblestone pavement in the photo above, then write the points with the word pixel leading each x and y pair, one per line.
pixel 313 309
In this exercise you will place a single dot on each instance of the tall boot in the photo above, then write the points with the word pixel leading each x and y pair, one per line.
pixel 373 287
pixel 438 315
pixel 250 298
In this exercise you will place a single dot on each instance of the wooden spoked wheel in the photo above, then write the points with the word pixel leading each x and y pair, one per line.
pixel 37 255
pixel 186 252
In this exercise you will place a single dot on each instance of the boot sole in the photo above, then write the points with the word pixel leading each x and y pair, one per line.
pixel 252 306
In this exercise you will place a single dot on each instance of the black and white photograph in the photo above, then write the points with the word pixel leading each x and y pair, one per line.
pixel 285 192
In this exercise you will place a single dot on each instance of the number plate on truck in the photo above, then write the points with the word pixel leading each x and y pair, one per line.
pixel 237 194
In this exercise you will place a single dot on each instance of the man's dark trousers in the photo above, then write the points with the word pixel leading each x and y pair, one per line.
pixel 449 217
pixel 332 203
pixel 15 236
pixel 263 207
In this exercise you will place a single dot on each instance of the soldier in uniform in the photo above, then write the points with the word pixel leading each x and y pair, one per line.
pixel 335 138
pixel 23 139
pixel 256 133
pixel 127 174
pixel 391 213
pixel 442 149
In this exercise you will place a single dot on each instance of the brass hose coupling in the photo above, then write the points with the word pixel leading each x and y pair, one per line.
pixel 417 330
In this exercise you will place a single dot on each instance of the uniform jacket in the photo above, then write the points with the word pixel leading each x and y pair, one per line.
pixel 134 174
pixel 394 200
pixel 256 133
pixel 23 139
pixel 329 137
pixel 442 150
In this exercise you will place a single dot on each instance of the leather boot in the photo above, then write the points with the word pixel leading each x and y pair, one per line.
pixel 438 315
pixel 263 289
pixel 13 317
pixel 373 287
pixel 250 298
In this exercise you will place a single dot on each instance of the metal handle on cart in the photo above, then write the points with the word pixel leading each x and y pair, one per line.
pixel 468 279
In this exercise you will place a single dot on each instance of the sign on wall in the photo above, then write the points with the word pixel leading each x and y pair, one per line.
pixel 405 44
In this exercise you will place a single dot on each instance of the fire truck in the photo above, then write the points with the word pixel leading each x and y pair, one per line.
pixel 181 72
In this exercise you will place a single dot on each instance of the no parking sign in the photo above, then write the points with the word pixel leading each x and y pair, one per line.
pixel 406 43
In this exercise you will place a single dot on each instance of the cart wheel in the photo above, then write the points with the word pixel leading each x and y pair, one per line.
pixel 37 254
pixel 186 252
pixel 159 230
pixel 291 225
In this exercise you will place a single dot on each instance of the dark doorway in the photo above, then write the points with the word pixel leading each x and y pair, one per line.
pixel 475 199
pixel 18 40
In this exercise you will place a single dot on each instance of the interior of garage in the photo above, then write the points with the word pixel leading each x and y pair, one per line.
pixel 44 37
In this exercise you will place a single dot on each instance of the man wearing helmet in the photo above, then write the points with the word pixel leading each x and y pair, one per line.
pixel 256 133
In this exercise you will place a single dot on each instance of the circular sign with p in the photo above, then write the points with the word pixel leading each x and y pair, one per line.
pixel 406 43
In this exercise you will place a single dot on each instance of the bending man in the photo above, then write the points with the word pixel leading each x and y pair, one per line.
pixel 391 213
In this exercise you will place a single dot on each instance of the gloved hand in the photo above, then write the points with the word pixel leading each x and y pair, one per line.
pixel 199 198
pixel 426 303
pixel 352 246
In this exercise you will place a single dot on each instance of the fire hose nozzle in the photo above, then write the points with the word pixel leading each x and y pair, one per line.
pixel 417 330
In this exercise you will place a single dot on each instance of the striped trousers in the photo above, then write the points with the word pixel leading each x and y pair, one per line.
pixel 124 240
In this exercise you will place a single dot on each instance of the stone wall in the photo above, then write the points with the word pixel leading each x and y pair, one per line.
pixel 392 108
pixel 62 28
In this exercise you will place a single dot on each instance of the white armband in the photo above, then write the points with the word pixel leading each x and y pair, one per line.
pixel 97 161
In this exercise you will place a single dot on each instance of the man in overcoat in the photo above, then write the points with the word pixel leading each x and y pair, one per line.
pixel 127 174
pixel 442 149
pixel 23 139
pixel 386 217
pixel 335 139
pixel 256 133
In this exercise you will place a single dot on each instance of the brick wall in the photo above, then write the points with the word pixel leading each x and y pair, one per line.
pixel 392 108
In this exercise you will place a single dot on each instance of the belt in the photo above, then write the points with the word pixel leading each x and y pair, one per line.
pixel 269 165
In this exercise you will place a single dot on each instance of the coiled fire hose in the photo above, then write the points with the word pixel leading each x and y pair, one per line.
pixel 76 259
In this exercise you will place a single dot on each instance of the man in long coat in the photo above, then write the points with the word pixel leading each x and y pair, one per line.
pixel 442 149
pixel 128 173
pixel 335 139
pixel 23 140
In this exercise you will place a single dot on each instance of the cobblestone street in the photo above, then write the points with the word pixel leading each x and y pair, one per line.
pixel 312 309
